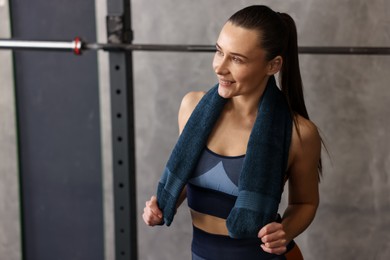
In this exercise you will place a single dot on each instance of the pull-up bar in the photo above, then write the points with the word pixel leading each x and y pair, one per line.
pixel 78 46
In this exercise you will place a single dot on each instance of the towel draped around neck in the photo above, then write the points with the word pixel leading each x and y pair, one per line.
pixel 262 177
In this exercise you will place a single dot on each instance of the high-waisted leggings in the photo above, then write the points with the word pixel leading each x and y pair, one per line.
pixel 206 246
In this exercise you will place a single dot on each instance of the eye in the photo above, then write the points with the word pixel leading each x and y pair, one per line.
pixel 236 59
pixel 218 52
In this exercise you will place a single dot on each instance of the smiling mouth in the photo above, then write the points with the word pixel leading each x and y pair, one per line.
pixel 225 82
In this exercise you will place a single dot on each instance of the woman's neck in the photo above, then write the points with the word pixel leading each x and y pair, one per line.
pixel 245 105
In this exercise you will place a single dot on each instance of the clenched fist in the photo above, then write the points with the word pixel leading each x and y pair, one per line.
pixel 152 213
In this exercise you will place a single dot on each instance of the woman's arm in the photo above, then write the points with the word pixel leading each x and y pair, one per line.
pixel 303 194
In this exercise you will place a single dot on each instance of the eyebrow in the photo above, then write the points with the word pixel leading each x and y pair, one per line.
pixel 233 53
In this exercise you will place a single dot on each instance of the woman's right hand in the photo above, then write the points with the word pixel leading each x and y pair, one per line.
pixel 152 213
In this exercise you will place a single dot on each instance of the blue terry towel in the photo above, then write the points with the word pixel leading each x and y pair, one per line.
pixel 261 179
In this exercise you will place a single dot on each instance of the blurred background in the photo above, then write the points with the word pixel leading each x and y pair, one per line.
pixel 56 187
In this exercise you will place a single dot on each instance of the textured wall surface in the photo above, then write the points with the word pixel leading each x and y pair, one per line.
pixel 347 98
pixel 105 132
pixel 10 238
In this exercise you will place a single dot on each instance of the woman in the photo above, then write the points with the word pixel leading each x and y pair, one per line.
pixel 254 45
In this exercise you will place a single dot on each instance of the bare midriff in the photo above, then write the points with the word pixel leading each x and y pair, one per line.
pixel 208 223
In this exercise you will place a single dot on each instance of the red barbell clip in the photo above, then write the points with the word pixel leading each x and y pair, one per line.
pixel 78 44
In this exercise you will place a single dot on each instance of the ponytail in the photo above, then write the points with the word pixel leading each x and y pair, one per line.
pixel 291 81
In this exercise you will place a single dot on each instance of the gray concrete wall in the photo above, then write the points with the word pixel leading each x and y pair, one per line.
pixel 10 228
pixel 347 98
pixel 105 132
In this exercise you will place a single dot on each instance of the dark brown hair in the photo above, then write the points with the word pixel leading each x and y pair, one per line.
pixel 278 37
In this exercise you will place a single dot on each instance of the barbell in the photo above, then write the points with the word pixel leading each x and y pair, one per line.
pixel 78 46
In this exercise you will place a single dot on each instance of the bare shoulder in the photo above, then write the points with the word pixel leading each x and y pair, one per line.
pixel 308 131
pixel 306 141
pixel 188 104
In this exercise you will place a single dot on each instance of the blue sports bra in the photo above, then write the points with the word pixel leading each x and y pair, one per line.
pixel 213 187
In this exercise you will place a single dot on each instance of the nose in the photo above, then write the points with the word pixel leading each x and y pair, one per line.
pixel 220 66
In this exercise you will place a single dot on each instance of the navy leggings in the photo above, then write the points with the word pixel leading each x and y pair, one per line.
pixel 206 246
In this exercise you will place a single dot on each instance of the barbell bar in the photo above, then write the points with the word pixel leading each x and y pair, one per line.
pixel 78 46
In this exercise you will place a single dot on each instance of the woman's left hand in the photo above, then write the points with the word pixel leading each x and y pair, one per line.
pixel 274 238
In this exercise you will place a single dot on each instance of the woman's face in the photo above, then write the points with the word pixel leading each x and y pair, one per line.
pixel 239 62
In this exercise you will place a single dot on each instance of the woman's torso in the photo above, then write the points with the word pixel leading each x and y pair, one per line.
pixel 213 189
pixel 211 194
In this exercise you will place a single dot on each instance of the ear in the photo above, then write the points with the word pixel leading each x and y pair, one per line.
pixel 274 65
